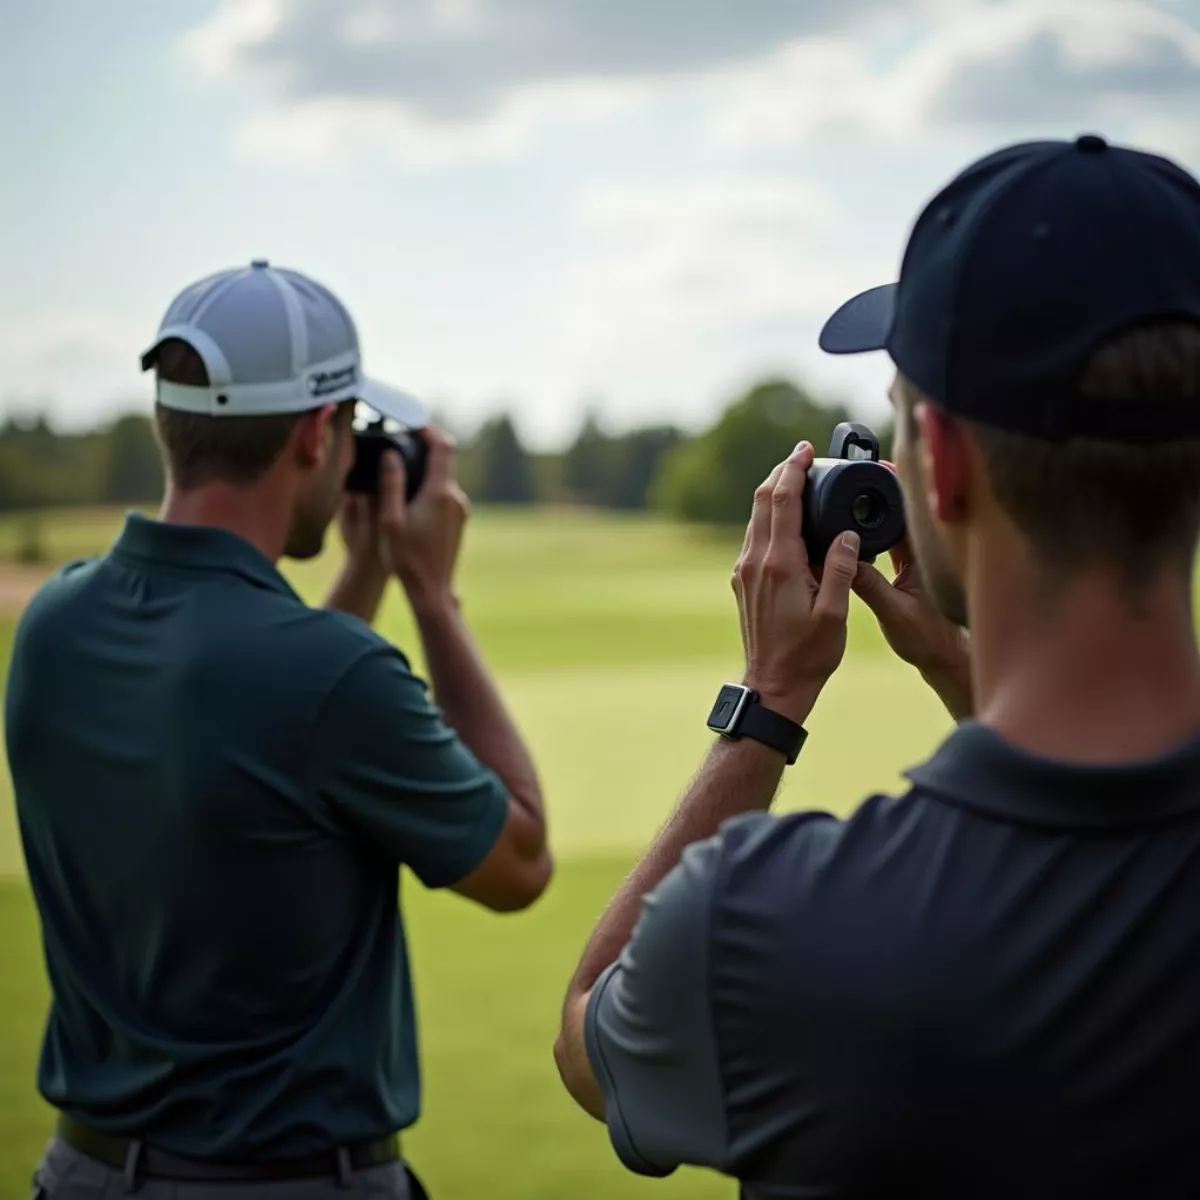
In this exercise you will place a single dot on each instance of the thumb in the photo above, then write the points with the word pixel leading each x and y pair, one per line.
pixel 392 497
pixel 837 576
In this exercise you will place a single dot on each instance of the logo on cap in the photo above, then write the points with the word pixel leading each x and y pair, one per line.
pixel 325 383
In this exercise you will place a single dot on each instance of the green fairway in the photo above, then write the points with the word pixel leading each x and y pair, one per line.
pixel 610 637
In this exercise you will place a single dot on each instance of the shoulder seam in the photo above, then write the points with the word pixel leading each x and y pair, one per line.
pixel 366 651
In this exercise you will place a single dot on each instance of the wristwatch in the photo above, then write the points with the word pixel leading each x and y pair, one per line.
pixel 739 713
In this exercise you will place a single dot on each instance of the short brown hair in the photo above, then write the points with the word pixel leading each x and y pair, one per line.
pixel 201 449
pixel 1127 508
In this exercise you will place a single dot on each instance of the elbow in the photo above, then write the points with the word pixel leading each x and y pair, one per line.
pixel 528 885
pixel 562 1060
pixel 570 1059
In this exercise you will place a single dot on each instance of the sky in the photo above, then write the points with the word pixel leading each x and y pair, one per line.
pixel 539 206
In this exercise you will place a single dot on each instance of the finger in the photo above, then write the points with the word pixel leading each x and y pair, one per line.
pixel 758 531
pixel 439 467
pixel 838 573
pixel 432 435
pixel 900 554
pixel 787 513
pixel 393 503
pixel 872 588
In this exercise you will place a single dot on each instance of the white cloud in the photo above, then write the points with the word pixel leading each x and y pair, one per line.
pixel 459 57
pixel 439 81
pixel 216 44
pixel 677 289
pixel 703 251
pixel 72 363
pixel 324 129
pixel 442 81
pixel 1030 68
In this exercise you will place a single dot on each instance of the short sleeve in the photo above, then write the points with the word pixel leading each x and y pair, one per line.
pixel 390 768
pixel 650 1034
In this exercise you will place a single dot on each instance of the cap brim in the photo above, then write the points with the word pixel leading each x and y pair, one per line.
pixel 394 404
pixel 861 324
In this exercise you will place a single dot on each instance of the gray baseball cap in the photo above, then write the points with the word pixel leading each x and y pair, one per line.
pixel 274 341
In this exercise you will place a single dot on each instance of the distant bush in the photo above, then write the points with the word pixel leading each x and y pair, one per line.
pixel 31 546
pixel 712 478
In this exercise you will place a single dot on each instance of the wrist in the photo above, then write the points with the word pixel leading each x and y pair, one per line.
pixel 952 685
pixel 431 601
pixel 367 570
pixel 795 703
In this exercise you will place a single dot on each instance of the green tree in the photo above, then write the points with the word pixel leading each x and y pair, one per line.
pixel 634 462
pixel 132 467
pixel 505 475
pixel 712 479
pixel 587 463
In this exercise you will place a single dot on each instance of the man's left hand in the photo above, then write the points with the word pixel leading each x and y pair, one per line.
pixel 358 521
pixel 364 576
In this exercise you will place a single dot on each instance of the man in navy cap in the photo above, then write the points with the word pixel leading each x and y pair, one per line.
pixel 218 785
pixel 988 986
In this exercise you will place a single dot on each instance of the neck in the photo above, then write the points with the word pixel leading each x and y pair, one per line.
pixel 253 513
pixel 1085 674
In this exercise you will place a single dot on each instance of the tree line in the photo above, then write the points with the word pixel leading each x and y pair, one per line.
pixel 707 477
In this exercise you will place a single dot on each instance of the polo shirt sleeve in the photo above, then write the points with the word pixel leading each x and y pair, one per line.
pixel 391 769
pixel 650 1032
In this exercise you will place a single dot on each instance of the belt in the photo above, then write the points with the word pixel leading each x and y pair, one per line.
pixel 139 1161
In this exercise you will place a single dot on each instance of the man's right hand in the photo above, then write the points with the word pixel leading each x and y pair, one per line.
pixel 793 620
pixel 421 540
pixel 917 631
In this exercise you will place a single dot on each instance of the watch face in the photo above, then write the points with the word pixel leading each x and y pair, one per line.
pixel 730 701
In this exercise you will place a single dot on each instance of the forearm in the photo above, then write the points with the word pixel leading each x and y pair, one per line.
pixel 357 591
pixel 951 679
pixel 471 703
pixel 955 694
pixel 737 777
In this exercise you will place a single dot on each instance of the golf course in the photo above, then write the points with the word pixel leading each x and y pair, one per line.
pixel 609 636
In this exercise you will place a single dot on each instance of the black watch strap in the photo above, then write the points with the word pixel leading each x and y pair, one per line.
pixel 772 729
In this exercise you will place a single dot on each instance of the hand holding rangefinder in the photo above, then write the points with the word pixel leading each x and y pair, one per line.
pixel 852 489
pixel 370 445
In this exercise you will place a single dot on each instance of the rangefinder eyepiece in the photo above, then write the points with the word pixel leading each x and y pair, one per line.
pixel 369 447
pixel 852 489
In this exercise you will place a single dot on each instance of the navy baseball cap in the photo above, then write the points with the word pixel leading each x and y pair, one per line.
pixel 1019 269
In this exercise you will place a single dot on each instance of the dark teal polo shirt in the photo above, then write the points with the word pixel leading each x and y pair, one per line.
pixel 216 787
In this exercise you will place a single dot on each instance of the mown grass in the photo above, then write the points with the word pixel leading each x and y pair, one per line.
pixel 609 637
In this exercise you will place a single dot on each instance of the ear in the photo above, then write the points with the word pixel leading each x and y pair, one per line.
pixel 315 436
pixel 946 459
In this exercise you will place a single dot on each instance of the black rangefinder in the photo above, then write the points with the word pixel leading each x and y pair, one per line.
pixel 852 489
pixel 369 446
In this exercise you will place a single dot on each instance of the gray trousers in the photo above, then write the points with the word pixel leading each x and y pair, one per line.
pixel 65 1174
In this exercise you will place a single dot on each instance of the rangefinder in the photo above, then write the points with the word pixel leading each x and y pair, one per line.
pixel 369 447
pixel 852 489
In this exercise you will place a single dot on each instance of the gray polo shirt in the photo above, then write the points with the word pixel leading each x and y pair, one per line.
pixel 987 987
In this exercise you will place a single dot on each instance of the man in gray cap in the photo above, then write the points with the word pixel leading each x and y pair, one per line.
pixel 217 784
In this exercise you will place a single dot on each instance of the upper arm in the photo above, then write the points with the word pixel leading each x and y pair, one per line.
pixel 388 767
pixel 516 869
pixel 649 1029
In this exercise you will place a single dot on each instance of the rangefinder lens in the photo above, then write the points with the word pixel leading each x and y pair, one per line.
pixel 869 509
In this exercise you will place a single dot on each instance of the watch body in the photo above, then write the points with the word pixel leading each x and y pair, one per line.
pixel 738 712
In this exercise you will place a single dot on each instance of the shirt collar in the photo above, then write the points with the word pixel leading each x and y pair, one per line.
pixel 204 548
pixel 977 769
